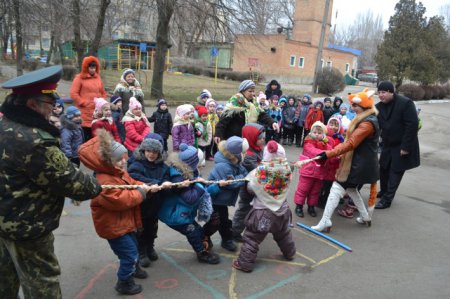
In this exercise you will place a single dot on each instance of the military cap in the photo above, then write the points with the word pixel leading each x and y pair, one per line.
pixel 43 81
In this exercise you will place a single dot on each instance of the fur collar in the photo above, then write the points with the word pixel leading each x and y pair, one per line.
pixel 185 170
pixel 358 118
pixel 28 117
pixel 129 116
pixel 227 154
pixel 139 155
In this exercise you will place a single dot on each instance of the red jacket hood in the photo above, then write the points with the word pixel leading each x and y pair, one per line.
pixel 251 132
pixel 90 153
pixel 85 66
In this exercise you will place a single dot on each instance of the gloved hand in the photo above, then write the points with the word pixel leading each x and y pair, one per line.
pixel 322 156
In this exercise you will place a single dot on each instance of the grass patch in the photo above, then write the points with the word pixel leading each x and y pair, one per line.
pixel 184 88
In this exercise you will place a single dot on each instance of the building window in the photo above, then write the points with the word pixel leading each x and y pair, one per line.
pixel 301 62
pixel 322 63
pixel 329 64
pixel 292 60
pixel 347 67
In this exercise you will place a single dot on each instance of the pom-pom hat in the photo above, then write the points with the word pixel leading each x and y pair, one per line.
pixel 273 150
pixel 134 104
pixel 188 154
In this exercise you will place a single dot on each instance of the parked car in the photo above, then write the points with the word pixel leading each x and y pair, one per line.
pixel 368 77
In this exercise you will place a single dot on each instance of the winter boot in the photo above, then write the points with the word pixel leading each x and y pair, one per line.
pixel 364 217
pixel 144 261
pixel 208 257
pixel 152 255
pixel 289 142
pixel 140 273
pixel 312 211
pixel 284 141
pixel 238 238
pixel 336 193
pixel 299 211
pixel 128 287
pixel 229 245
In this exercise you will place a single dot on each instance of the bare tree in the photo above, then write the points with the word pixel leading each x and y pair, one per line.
pixel 444 11
pixel 19 44
pixel 100 24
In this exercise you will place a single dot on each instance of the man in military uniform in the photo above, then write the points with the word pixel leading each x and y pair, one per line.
pixel 35 177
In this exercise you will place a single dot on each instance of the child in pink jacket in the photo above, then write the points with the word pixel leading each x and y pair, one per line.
pixel 136 125
pixel 312 174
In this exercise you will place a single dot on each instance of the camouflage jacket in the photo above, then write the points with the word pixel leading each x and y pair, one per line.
pixel 35 177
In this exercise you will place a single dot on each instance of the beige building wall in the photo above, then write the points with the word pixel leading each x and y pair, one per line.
pixel 287 60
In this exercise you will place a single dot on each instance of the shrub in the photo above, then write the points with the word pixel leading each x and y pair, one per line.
pixel 412 91
pixel 69 72
pixel 330 81
pixel 428 92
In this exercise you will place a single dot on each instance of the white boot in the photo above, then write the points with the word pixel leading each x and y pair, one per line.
pixel 336 194
pixel 364 217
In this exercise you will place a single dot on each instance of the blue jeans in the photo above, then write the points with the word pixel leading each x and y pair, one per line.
pixel 193 232
pixel 125 247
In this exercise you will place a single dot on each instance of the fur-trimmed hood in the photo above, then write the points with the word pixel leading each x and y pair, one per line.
pixel 68 123
pixel 85 67
pixel 140 156
pixel 28 117
pixel 185 170
pixel 96 153
pixel 226 155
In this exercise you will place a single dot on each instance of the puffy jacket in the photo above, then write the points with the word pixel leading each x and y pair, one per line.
pixel 115 212
pixel 226 167
pixel 163 122
pixel 182 133
pixel 108 126
pixel 85 88
pixel 136 129
pixel 312 148
pixel 72 137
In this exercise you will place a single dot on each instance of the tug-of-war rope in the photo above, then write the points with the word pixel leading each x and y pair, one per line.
pixel 203 181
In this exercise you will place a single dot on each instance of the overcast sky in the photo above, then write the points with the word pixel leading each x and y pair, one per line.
pixel 349 9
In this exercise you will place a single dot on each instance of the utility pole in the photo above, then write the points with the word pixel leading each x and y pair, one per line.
pixel 320 49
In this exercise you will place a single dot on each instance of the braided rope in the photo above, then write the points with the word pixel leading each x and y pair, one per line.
pixel 296 164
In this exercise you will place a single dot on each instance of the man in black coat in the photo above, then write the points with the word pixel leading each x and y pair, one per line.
pixel 399 126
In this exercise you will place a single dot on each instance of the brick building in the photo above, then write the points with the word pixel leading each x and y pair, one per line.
pixel 293 60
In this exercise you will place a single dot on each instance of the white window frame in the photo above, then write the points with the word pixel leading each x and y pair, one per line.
pixel 292 62
pixel 329 64
pixel 322 63
pixel 301 62
pixel 347 68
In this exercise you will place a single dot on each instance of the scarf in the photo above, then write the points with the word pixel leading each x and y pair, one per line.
pixel 239 103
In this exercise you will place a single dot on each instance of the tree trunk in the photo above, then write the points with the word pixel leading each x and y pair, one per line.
pixel 165 12
pixel 77 32
pixel 19 43
pixel 52 48
pixel 99 30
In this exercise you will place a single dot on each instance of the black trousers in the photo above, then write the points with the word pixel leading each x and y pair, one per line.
pixel 87 131
pixel 288 134
pixel 219 222
pixel 389 182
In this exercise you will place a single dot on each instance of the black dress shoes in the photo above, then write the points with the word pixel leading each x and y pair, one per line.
pixel 382 205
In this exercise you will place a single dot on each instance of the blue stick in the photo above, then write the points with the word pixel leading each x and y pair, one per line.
pixel 324 236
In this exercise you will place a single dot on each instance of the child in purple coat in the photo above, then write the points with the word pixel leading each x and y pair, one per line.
pixel 183 130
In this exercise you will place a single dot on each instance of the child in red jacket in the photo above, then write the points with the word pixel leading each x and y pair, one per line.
pixel 136 125
pixel 315 114
pixel 312 174
pixel 102 118
pixel 116 212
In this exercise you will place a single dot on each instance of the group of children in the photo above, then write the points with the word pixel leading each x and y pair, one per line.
pixel 170 188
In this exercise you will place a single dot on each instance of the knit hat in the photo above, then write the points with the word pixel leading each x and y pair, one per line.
pixel 72 111
pixel 183 109
pixel 246 84
pixel 155 136
pixel 188 154
pixel 210 101
pixel 320 125
pixel 126 72
pixel 307 96
pixel 201 110
pixel 273 150
pixel 327 100
pixel 386 86
pixel 220 107
pixel 152 145
pixel 117 151
pixel 261 96
pixel 318 103
pixel 236 145
pixel 59 103
pixel 134 104
pixel 205 94
pixel 161 102
pixel 364 98
pixel 344 105
pixel 99 103
pixel 283 100
pixel 115 99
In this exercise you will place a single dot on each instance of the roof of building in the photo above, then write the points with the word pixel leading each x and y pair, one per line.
pixel 345 49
